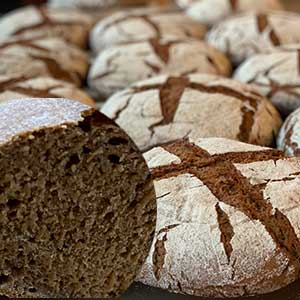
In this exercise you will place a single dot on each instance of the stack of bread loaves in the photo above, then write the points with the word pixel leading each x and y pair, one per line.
pixel 201 88
pixel 42 54
pixel 228 211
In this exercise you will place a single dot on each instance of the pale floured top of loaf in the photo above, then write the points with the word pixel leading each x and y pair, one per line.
pixel 275 75
pixel 41 87
pixel 288 139
pixel 228 218
pixel 249 33
pixel 142 24
pixel 205 11
pixel 82 4
pixel 31 21
pixel 16 118
pixel 70 57
pixel 118 67
pixel 167 108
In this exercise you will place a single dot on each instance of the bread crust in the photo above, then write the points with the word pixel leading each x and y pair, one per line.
pixel 120 66
pixel 250 33
pixel 166 108
pixel 227 225
pixel 205 11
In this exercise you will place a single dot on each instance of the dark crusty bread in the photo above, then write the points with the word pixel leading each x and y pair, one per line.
pixel 44 56
pixel 42 87
pixel 34 21
pixel 117 28
pixel 167 108
pixel 77 202
pixel 228 218
pixel 288 138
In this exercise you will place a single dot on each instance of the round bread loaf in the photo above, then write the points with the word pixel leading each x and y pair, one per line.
pixel 142 24
pixel 289 136
pixel 15 65
pixel 120 66
pixel 246 34
pixel 276 75
pixel 90 5
pixel 164 109
pixel 228 219
pixel 211 12
pixel 31 22
pixel 64 61
pixel 42 87
pixel 78 207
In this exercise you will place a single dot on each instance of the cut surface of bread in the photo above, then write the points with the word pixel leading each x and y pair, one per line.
pixel 77 203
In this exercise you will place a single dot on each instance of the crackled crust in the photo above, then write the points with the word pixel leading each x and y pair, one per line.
pixel 211 12
pixel 31 22
pixel 164 109
pixel 90 5
pixel 276 75
pixel 63 61
pixel 250 33
pixel 119 66
pixel 228 219
pixel 42 87
pixel 142 24
pixel 289 136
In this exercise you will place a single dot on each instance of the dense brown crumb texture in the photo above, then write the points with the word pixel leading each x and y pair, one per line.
pixel 77 211
pixel 231 186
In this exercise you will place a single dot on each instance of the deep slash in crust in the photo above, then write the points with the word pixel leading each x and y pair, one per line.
pixel 171 91
pixel 228 185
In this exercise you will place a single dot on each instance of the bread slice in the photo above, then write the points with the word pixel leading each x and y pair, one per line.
pixel 77 202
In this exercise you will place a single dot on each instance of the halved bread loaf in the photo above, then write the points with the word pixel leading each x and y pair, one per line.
pixel 77 202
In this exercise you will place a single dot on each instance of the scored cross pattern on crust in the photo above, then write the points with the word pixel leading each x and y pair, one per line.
pixel 45 55
pixel 145 17
pixel 12 85
pixel 46 22
pixel 171 91
pixel 234 5
pixel 275 86
pixel 229 186
pixel 264 25
pixel 162 50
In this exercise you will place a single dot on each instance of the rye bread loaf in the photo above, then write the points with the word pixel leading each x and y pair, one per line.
pixel 42 87
pixel 63 61
pixel 91 5
pixel 142 24
pixel 120 66
pixel 211 12
pixel 250 33
pixel 275 75
pixel 288 139
pixel 13 65
pixel 228 219
pixel 31 22
pixel 164 109
pixel 77 202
